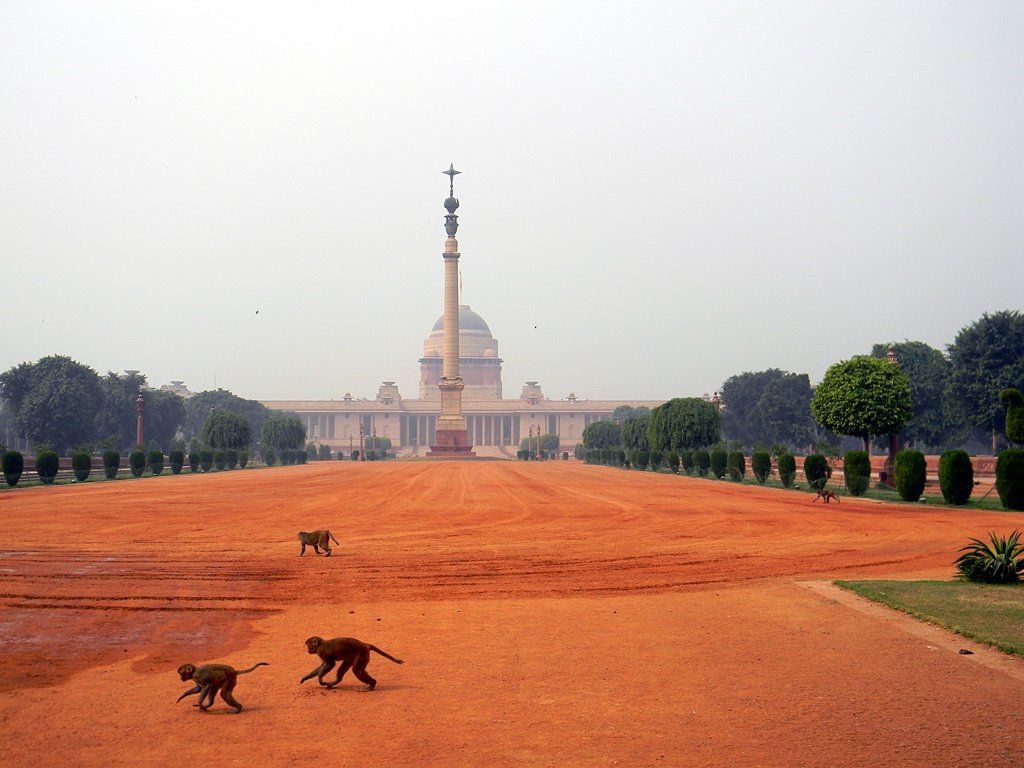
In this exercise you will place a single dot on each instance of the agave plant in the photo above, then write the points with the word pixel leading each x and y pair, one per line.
pixel 1000 562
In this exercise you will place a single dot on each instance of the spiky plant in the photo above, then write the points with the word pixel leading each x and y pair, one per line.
pixel 999 562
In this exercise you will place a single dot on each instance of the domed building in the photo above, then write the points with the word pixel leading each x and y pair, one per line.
pixel 495 426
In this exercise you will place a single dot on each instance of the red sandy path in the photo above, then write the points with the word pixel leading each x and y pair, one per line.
pixel 549 614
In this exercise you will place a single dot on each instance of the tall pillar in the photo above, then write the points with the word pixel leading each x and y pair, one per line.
pixel 450 437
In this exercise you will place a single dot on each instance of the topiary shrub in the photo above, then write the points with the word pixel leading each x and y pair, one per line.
pixel 1010 478
pixel 220 460
pixel 1000 563
pixel 672 459
pixel 355 455
pixel 324 452
pixel 686 461
pixel 302 456
pixel 956 477
pixel 910 470
pixel 14 465
pixel 243 459
pixel 269 457
pixel 111 464
pixel 719 461
pixel 206 459
pixel 656 459
pixel 194 461
pixel 736 466
pixel 701 462
pixel 761 465
pixel 1014 402
pixel 81 465
pixel 155 462
pixel 137 463
pixel 857 472
pixel 47 465
pixel 786 463
pixel 816 470
pixel 231 456
pixel 176 458
pixel 643 458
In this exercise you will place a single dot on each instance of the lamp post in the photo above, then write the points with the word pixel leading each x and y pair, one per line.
pixel 140 403
pixel 894 437
pixel 362 445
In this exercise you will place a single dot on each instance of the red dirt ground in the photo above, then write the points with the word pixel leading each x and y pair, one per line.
pixel 549 614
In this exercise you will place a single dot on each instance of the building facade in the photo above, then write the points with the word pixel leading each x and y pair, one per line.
pixel 496 426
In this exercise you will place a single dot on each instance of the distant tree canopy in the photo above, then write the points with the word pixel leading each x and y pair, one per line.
pixel 600 434
pixel 683 423
pixel 54 401
pixel 162 416
pixel 633 432
pixel 863 396
pixel 931 424
pixel 986 358
pixel 767 407
pixel 282 432
pixel 223 430
pixel 198 407
pixel 625 412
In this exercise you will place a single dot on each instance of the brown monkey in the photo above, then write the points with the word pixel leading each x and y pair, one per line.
pixel 826 495
pixel 210 678
pixel 316 539
pixel 350 652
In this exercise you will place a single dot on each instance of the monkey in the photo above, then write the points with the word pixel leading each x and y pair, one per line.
pixel 210 678
pixel 350 652
pixel 316 539
pixel 826 495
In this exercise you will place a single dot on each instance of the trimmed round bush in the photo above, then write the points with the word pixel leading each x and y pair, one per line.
pixel 231 455
pixel 206 459
pixel 1014 402
pixel 14 465
pixel 137 463
pixel 910 470
pixel 701 462
pixel 1010 478
pixel 243 459
pixel 787 469
pixel 176 459
pixel 672 459
pixel 269 457
pixel 736 466
pixel 47 464
pixel 956 477
pixel 643 458
pixel 857 472
pixel 816 470
pixel 194 461
pixel 686 461
pixel 719 461
pixel 155 462
pixel 302 456
pixel 111 464
pixel 761 465
pixel 81 465
pixel 656 459
pixel 220 460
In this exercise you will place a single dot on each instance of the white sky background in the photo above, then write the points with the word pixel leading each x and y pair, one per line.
pixel 655 196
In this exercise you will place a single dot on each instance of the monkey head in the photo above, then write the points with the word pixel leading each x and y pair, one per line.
pixel 186 671
pixel 313 644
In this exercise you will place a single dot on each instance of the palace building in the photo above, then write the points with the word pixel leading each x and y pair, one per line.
pixel 495 425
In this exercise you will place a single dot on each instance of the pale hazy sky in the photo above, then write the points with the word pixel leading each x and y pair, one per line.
pixel 655 195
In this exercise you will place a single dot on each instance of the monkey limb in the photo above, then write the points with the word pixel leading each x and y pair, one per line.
pixel 210 678
pixel 353 654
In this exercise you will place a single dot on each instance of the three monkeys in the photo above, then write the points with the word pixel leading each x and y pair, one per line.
pixel 353 654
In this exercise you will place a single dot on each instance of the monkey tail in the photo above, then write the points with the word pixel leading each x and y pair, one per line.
pixel 333 539
pixel 385 655
pixel 250 669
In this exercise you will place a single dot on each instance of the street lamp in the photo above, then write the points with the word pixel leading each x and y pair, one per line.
pixel 894 437
pixel 140 403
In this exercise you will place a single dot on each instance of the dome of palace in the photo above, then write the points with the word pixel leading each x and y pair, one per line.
pixel 475 339
pixel 468 321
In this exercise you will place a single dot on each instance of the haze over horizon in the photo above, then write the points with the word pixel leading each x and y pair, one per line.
pixel 654 197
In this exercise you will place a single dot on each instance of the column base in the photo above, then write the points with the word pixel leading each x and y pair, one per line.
pixel 451 443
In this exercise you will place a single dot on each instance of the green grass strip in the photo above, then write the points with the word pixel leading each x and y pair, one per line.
pixel 992 614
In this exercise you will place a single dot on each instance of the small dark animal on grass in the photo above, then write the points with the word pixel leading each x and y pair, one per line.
pixel 316 540
pixel 353 654
pixel 826 495
pixel 210 678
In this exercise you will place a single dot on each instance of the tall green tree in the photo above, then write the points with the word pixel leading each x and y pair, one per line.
pixel 282 432
pixel 931 424
pixel 683 423
pixel 55 401
pixel 986 357
pixel 601 434
pixel 624 412
pixel 633 433
pixel 116 419
pixel 223 430
pixel 782 415
pixel 863 396
pixel 199 406
pixel 740 395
